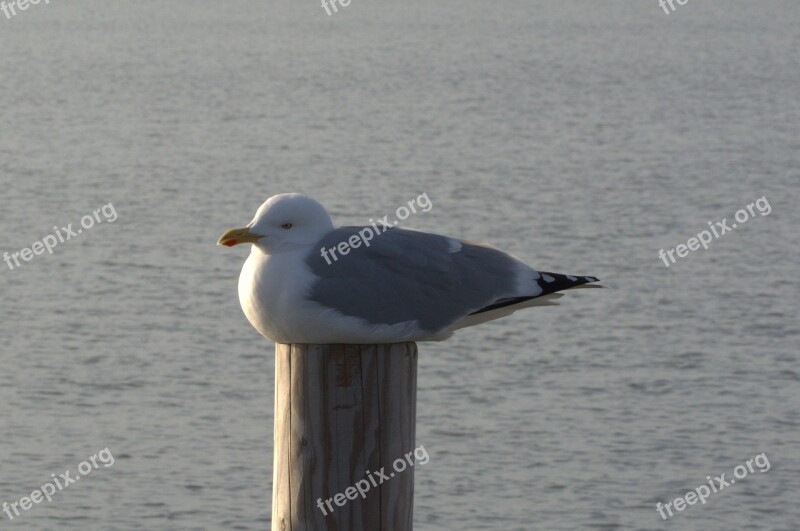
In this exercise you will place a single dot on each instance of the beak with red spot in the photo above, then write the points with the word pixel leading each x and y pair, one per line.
pixel 237 236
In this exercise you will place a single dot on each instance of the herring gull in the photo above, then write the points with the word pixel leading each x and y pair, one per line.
pixel 306 281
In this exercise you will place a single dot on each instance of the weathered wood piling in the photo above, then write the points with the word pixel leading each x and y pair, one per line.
pixel 343 413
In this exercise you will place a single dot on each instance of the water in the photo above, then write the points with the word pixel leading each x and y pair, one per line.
pixel 582 137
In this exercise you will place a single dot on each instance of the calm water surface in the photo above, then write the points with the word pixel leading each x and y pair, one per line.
pixel 581 136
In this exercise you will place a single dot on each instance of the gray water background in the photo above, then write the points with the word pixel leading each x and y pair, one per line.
pixel 581 136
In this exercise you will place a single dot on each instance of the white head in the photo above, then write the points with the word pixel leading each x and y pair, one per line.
pixel 284 221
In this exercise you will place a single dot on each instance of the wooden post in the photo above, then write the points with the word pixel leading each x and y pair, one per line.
pixel 341 412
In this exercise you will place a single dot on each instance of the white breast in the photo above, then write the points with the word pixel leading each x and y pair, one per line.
pixel 273 290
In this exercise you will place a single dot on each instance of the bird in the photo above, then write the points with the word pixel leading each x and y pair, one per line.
pixel 307 281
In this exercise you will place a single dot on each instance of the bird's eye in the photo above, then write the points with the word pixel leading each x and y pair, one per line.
pixel 286 226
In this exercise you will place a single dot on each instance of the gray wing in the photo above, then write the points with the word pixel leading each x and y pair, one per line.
pixel 407 275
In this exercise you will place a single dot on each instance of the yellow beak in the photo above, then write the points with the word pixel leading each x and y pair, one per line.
pixel 237 236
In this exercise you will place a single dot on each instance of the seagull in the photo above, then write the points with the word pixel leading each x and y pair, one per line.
pixel 306 281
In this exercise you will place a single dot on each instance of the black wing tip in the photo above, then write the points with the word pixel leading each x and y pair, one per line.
pixel 550 283
pixel 553 282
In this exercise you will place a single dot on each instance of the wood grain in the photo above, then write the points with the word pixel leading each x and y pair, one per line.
pixel 343 413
